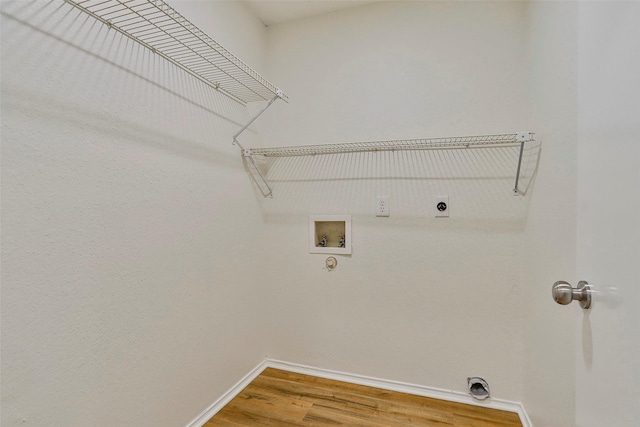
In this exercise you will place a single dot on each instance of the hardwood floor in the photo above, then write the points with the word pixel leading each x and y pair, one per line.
pixel 286 399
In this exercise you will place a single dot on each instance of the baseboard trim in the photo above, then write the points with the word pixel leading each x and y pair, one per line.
pixel 220 403
pixel 419 390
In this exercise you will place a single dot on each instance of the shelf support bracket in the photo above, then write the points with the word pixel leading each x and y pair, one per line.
pixel 279 94
pixel 246 152
pixel 521 137
pixel 247 155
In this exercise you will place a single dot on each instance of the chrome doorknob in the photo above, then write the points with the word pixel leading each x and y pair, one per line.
pixel 563 293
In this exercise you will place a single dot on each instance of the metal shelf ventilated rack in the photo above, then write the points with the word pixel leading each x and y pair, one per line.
pixel 160 28
pixel 461 142
pixel 157 26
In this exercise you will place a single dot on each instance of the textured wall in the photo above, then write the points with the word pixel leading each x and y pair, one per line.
pixel 129 228
pixel 423 300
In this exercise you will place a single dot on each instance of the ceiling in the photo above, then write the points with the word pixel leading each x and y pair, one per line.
pixel 272 12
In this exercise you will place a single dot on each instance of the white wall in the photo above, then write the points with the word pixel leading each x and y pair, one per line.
pixel 129 228
pixel 550 237
pixel 422 300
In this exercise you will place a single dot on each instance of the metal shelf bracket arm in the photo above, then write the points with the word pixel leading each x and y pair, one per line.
pixel 269 192
pixel 246 152
pixel 279 94
pixel 521 137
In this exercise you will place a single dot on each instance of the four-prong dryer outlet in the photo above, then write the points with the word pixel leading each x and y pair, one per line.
pixel 441 206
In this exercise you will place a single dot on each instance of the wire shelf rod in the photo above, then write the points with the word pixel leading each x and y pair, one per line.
pixel 461 142
pixel 160 28
pixel 393 145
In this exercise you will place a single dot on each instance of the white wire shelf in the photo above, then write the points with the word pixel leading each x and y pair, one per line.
pixel 456 142
pixel 394 145
pixel 157 26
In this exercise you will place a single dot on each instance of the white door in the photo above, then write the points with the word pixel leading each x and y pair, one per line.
pixel 608 350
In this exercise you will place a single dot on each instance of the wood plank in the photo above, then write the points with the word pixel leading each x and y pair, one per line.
pixel 384 404
pixel 287 399
pixel 386 395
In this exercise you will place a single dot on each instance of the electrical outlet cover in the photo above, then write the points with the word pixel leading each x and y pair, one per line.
pixel 382 206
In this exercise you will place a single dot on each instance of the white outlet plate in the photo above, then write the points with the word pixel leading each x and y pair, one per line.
pixel 441 206
pixel 382 206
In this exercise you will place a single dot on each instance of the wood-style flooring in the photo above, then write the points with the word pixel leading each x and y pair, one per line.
pixel 286 399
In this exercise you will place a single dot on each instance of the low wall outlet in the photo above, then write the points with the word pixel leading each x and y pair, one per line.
pixel 382 206
pixel 441 206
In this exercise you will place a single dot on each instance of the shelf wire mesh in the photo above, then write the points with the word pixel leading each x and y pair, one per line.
pixel 389 145
pixel 159 27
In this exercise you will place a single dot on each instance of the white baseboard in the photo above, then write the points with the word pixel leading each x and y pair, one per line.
pixel 216 406
pixel 419 390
